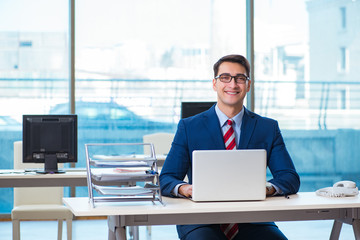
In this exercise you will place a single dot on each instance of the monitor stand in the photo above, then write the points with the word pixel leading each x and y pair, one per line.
pixel 51 166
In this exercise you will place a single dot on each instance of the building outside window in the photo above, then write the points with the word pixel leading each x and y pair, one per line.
pixel 302 40
pixel 343 17
pixel 343 61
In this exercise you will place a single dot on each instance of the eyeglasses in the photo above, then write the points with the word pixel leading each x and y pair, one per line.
pixel 226 78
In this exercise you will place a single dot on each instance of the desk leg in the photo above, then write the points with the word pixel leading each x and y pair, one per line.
pixel 356 228
pixel 116 231
pixel 111 235
pixel 335 232
pixel 120 233
pixel 134 232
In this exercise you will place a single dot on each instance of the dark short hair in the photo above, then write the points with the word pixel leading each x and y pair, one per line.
pixel 234 58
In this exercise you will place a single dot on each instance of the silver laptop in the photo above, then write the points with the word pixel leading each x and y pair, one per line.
pixel 229 175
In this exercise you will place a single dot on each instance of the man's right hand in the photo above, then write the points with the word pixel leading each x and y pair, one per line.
pixel 185 190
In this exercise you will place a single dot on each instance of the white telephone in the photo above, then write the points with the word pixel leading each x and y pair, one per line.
pixel 339 189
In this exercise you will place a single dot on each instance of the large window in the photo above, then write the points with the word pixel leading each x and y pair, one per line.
pixel 33 69
pixel 143 58
pixel 308 80
pixel 136 61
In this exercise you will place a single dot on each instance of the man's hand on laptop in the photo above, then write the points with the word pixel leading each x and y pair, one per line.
pixel 186 190
pixel 270 190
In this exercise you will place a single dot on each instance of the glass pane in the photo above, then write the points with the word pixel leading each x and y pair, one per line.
pixel 307 79
pixel 136 61
pixel 33 69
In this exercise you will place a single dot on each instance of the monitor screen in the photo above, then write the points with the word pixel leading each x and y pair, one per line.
pixel 189 109
pixel 49 139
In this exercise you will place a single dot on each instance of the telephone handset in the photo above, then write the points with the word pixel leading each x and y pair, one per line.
pixel 339 189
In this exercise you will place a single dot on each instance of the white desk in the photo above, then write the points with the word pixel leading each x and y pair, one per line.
pixel 302 206
pixel 18 178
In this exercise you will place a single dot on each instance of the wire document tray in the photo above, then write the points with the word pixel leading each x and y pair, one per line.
pixel 118 172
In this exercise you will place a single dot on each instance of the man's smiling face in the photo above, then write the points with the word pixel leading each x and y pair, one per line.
pixel 232 94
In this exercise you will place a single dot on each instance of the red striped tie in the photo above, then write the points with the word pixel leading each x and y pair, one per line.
pixel 229 136
pixel 230 230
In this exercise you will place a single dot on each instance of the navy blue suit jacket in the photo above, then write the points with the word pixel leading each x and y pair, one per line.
pixel 203 132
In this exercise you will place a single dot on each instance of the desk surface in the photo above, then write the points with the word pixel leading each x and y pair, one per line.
pixel 20 178
pixel 300 201
pixel 301 206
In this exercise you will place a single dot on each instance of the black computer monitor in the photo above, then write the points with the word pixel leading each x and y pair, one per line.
pixel 189 109
pixel 49 139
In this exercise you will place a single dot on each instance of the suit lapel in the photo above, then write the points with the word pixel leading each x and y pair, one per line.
pixel 212 126
pixel 247 128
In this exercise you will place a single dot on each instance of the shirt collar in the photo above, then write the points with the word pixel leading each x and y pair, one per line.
pixel 223 118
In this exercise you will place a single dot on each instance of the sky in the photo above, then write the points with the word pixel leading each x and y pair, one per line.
pixel 22 15
pixel 95 19
pixel 280 22
pixel 186 19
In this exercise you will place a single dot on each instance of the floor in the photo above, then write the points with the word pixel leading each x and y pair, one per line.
pixel 97 230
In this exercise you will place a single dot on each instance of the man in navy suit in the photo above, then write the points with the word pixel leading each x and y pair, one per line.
pixel 205 132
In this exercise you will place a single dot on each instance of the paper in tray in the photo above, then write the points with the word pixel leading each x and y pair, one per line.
pixel 113 174
pixel 125 191
pixel 123 157
pixel 120 164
